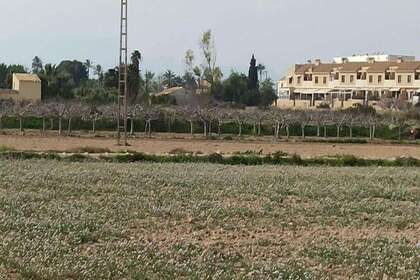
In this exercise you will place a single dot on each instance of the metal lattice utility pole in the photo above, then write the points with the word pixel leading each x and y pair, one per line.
pixel 123 77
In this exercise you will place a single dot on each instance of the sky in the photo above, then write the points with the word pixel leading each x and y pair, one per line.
pixel 279 32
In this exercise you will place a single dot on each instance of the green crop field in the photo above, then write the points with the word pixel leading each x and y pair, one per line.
pixel 62 220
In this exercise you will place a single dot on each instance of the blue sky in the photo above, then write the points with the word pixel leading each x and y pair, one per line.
pixel 279 32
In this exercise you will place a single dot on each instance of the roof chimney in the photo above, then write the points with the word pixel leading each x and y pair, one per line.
pixel 371 60
pixel 309 61
pixel 400 60
pixel 344 60
pixel 317 62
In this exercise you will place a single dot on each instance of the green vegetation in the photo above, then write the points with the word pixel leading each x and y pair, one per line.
pixel 61 220
pixel 179 155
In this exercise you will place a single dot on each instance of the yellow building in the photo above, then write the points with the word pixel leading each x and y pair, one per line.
pixel 348 81
pixel 24 87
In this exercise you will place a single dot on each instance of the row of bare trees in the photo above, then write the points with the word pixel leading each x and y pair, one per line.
pixel 208 116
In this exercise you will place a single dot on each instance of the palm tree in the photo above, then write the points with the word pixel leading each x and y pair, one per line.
pixel 168 78
pixel 88 64
pixel 36 65
pixel 261 68
pixel 99 73
pixel 149 76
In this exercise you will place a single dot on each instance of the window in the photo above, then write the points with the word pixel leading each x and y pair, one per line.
pixel 337 76
pixel 389 75
pixel 359 75
pixel 307 77
pixel 399 79
pixel 417 76
pixel 324 80
pixel 370 79
pixel 316 80
pixel 409 79
pixel 299 79
pixel 351 78
pixel 380 79
pixel 291 80
pixel 343 79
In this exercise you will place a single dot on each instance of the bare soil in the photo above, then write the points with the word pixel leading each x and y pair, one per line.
pixel 163 145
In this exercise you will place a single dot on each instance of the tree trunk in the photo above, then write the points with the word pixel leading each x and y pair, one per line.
pixel 150 129
pixel 205 128
pixel 254 128
pixel 287 132
pixel 94 126
pixel 69 128
pixel 276 131
pixel 44 125
pixel 338 131
pixel 60 127
pixel 192 128
pixel 303 131
pixel 1 123
pixel 51 124
pixel 131 126
pixel 240 129
pixel 370 132
pixel 318 130
pixel 325 131
pixel 259 128
pixel 374 131
pixel 145 128
pixel 21 124
pixel 169 126
pixel 210 128
pixel 351 132
pixel 399 133
pixel 219 129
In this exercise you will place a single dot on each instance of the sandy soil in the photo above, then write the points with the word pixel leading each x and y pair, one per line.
pixel 160 146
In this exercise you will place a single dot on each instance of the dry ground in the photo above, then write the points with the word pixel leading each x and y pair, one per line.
pixel 163 145
pixel 61 220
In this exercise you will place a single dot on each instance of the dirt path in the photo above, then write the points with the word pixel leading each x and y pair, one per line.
pixel 160 146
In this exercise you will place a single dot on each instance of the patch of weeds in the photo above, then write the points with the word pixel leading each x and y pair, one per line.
pixel 90 150
pixel 4 149
pixel 179 151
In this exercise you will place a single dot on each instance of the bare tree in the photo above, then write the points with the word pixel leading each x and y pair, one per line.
pixel 74 110
pixel 170 115
pixel 398 120
pixel 41 110
pixel 239 116
pixel 304 117
pixel 59 111
pixel 256 118
pixel 149 114
pixel 93 114
pixel 189 114
pixel 339 118
pixel 20 109
pixel 5 110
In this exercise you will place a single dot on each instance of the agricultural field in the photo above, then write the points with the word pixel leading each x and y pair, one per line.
pixel 163 144
pixel 63 220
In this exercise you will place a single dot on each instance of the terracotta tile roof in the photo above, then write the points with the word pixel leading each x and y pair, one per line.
pixel 27 77
pixel 380 67
pixel 351 67
pixel 302 68
pixel 324 67
pixel 408 67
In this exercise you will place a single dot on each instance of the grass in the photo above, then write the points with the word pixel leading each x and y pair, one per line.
pixel 103 220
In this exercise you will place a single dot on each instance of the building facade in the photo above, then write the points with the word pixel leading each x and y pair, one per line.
pixel 350 80
pixel 25 87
